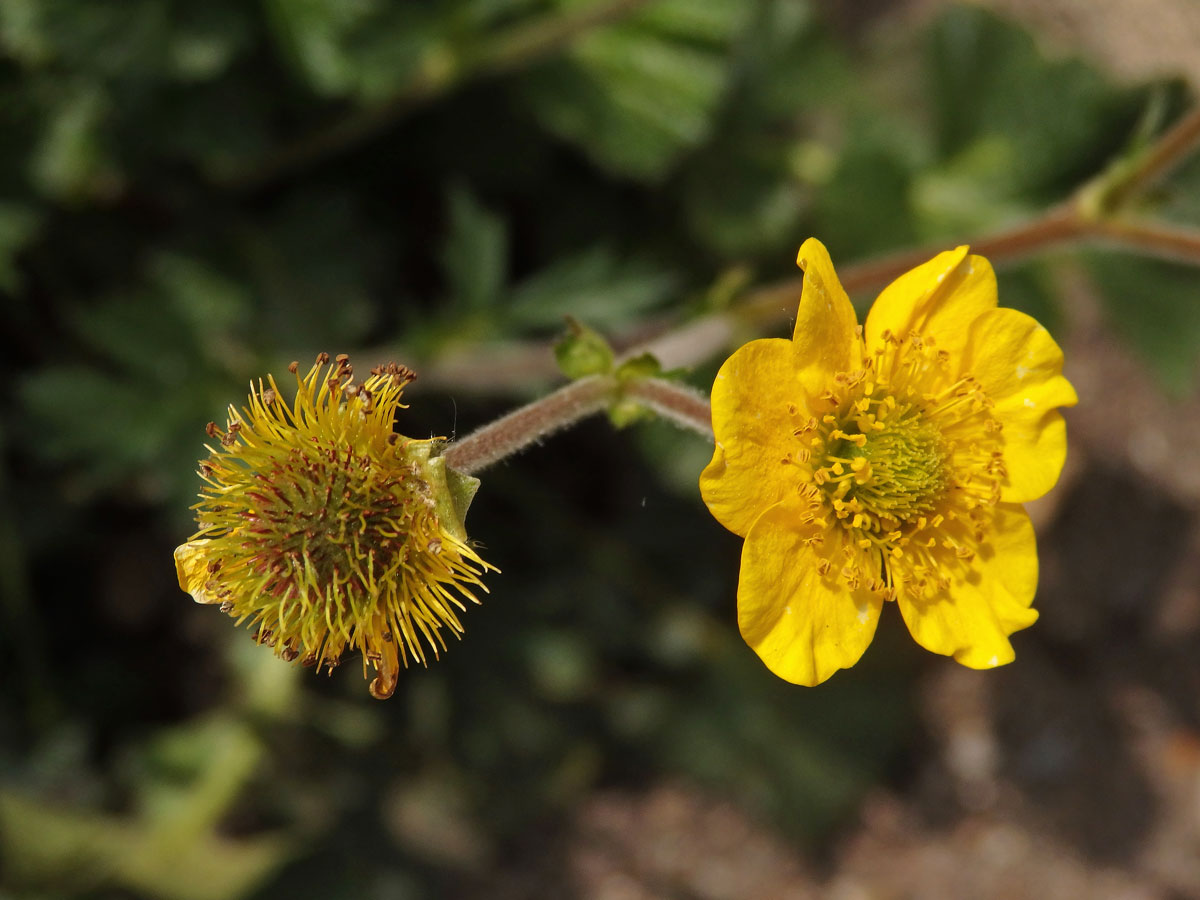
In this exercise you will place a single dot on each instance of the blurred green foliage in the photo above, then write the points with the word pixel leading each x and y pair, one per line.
pixel 193 194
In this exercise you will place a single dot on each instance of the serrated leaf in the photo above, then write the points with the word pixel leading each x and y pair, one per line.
pixel 361 47
pixel 638 95
pixel 595 286
pixel 311 33
pixel 988 78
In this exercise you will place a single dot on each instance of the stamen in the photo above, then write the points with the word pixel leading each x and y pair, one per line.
pixel 909 462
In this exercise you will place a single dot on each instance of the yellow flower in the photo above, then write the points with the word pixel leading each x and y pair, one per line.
pixel 888 462
pixel 327 530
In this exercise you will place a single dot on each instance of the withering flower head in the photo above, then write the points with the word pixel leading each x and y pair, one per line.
pixel 326 530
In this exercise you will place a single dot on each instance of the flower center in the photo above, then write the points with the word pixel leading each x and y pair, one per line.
pixel 907 461
pixel 883 464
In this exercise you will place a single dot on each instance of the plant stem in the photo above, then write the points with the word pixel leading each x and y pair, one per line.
pixel 1159 159
pixel 1057 225
pixel 531 423
pixel 1151 238
pixel 512 433
pixel 488 368
pixel 679 403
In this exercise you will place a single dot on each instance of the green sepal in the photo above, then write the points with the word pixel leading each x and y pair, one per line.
pixel 583 351
pixel 626 411
pixel 452 491
pixel 644 366
pixel 462 491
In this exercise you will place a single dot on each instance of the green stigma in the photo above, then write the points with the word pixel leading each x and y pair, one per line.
pixel 883 463
pixel 899 471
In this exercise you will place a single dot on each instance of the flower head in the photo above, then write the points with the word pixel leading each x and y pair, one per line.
pixel 888 462
pixel 327 530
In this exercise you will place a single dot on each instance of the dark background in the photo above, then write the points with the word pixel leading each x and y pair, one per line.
pixel 192 195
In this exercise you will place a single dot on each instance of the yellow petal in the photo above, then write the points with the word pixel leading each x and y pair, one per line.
pixel 825 338
pixel 191 568
pixel 752 424
pixel 987 601
pixel 938 299
pixel 802 626
pixel 1020 368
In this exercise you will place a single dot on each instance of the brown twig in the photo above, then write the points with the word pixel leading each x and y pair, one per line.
pixel 1079 219
pixel 1167 242
pixel 678 403
pixel 1158 160
pixel 531 423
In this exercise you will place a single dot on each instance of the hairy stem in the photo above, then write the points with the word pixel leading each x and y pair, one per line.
pixel 678 403
pixel 531 423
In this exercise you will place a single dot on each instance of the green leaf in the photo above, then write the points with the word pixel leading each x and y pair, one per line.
pixel 988 79
pixel 1179 200
pixel 475 253
pixel 208 300
pixel 866 208
pixel 970 193
pixel 596 286
pixel 311 34
pixel 68 157
pixel 103 38
pixel 121 430
pixel 18 226
pixel 205 39
pixel 366 48
pixel 1153 305
pixel 627 411
pixel 759 209
pixel 638 95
